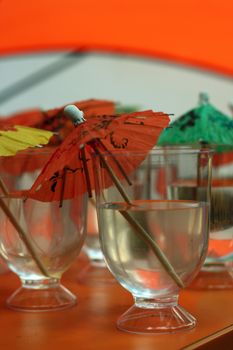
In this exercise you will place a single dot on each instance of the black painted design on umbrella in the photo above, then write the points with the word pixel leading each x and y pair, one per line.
pixel 58 176
pixel 116 144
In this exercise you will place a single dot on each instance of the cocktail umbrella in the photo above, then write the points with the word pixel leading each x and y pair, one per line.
pixel 29 117
pixel 18 137
pixel 12 140
pixel 134 131
pixel 22 162
pixel 203 125
pixel 54 119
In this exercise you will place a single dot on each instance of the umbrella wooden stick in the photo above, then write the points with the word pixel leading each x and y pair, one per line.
pixel 138 228
pixel 87 177
pixel 113 176
pixel 3 187
pixel 116 162
pixel 63 186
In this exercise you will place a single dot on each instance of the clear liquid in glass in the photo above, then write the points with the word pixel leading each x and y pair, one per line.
pixel 178 227
pixel 220 251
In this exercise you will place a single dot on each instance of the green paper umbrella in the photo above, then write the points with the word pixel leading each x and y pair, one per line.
pixel 205 126
pixel 201 125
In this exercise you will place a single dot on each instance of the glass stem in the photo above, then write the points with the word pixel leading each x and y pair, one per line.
pixel 41 284
pixel 156 303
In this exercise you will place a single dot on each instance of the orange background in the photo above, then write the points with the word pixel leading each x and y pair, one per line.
pixel 194 32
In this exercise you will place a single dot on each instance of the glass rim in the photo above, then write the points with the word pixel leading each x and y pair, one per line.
pixel 32 150
pixel 160 150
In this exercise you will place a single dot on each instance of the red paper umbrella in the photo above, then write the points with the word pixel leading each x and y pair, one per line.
pixel 62 177
pixel 223 158
pixel 31 117
pixel 54 119
pixel 23 163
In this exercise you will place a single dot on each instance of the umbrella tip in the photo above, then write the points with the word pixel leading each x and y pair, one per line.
pixel 75 114
pixel 231 108
pixel 203 98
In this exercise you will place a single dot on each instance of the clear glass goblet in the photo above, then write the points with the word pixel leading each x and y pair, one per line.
pixel 217 270
pixel 153 242
pixel 55 233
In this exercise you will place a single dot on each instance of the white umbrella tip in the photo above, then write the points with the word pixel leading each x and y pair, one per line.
pixel 74 113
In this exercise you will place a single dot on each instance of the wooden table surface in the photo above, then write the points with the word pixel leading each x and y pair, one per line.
pixel 91 324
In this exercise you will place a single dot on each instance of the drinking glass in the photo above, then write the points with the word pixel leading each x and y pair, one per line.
pixel 154 243
pixel 95 271
pixel 55 233
pixel 217 271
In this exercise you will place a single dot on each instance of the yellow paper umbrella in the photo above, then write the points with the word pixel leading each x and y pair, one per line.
pixel 12 140
pixel 18 138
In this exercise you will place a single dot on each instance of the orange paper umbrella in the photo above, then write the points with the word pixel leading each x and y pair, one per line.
pixel 134 131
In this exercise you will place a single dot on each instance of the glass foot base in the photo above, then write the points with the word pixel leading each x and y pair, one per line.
pixel 155 320
pixel 44 299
